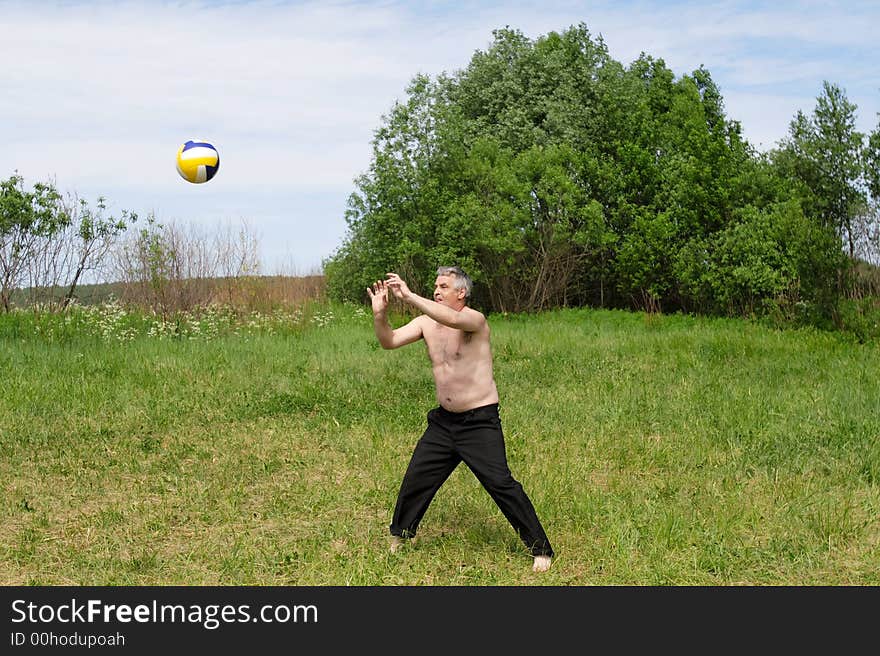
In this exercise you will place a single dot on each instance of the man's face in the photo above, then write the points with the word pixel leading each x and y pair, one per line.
pixel 446 294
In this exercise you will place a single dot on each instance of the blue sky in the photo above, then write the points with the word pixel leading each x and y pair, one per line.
pixel 98 96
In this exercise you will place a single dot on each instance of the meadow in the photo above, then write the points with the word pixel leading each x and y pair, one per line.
pixel 267 449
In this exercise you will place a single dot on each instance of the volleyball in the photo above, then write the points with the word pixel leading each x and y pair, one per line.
pixel 197 161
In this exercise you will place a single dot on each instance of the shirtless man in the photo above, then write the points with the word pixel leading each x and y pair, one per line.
pixel 466 425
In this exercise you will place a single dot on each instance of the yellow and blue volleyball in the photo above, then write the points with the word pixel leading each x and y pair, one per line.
pixel 197 161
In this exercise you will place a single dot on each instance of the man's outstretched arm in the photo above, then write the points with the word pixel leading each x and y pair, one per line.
pixel 466 319
pixel 388 337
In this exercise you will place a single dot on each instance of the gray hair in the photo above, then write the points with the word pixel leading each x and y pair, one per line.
pixel 462 280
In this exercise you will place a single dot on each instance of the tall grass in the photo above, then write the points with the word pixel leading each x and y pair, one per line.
pixel 267 449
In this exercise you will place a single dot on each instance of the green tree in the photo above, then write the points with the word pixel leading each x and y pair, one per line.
pixel 825 153
pixel 873 163
pixel 26 217
pixel 558 176
pixel 81 245
pixel 47 243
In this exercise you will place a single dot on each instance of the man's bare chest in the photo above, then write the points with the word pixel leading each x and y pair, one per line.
pixel 447 345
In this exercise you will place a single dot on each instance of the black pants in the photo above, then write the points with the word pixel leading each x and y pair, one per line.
pixel 474 436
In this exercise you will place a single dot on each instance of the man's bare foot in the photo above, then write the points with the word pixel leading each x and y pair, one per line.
pixel 396 543
pixel 542 563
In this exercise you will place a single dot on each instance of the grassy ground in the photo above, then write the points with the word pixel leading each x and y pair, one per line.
pixel 267 450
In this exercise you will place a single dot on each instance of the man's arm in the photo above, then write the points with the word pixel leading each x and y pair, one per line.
pixel 466 319
pixel 392 339
pixel 388 337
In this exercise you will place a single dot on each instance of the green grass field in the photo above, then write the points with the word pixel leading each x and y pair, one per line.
pixel 267 450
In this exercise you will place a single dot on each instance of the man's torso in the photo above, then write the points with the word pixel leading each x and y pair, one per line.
pixel 462 365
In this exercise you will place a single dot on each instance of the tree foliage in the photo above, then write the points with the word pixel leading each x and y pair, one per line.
pixel 48 242
pixel 827 155
pixel 26 217
pixel 559 176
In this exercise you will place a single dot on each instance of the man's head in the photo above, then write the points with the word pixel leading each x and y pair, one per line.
pixel 452 287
